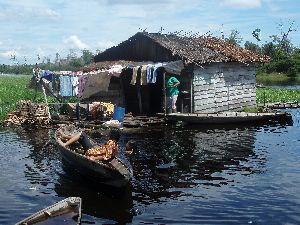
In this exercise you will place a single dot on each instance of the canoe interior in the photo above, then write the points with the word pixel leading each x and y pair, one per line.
pixel 112 172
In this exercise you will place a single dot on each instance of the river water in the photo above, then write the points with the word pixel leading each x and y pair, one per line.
pixel 201 174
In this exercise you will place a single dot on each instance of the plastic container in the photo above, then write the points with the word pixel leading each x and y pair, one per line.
pixel 119 114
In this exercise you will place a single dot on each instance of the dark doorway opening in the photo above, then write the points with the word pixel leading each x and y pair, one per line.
pixel 142 99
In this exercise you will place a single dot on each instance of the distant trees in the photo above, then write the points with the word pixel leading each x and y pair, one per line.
pixel 285 57
pixel 234 37
pixel 71 62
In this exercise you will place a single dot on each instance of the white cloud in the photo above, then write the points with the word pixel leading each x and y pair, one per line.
pixel 136 2
pixel 272 6
pixel 102 45
pixel 51 13
pixel 244 4
pixel 8 54
pixel 76 42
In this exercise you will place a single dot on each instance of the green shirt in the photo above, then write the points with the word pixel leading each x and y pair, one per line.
pixel 171 91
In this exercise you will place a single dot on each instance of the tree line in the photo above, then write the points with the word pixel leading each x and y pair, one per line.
pixel 285 57
pixel 71 63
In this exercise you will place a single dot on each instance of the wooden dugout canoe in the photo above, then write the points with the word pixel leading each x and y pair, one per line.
pixel 67 211
pixel 111 172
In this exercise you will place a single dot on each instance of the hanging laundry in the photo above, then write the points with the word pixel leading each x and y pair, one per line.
pixel 150 72
pixel 144 75
pixel 48 75
pixel 115 70
pixel 65 72
pixel 134 75
pixel 82 80
pixel 75 85
pixel 65 86
pixel 155 67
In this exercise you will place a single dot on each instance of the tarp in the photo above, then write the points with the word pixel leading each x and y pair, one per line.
pixel 174 67
pixel 96 83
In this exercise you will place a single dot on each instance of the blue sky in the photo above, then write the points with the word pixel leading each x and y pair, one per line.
pixel 46 27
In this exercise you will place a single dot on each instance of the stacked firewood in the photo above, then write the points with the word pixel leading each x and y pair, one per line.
pixel 28 113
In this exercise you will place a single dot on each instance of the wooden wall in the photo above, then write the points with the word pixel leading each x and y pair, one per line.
pixel 219 87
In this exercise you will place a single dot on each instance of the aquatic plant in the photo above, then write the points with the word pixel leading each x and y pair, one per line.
pixel 272 95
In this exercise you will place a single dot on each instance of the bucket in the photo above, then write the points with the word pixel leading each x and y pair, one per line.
pixel 119 114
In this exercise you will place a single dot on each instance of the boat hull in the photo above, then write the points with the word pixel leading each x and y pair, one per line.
pixel 227 118
pixel 112 172
pixel 70 206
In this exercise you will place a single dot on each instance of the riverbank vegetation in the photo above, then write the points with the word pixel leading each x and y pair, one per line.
pixel 276 79
pixel 272 95
pixel 15 88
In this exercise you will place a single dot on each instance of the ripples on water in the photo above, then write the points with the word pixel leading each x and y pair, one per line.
pixel 182 174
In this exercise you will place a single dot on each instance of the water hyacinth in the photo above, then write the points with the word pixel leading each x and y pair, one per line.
pixel 272 95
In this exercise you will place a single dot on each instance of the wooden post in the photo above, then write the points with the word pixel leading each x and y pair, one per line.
pixel 165 93
pixel 138 87
pixel 191 90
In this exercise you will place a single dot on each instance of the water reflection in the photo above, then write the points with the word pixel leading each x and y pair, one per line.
pixel 98 201
pixel 174 164
pixel 173 159
pixel 43 157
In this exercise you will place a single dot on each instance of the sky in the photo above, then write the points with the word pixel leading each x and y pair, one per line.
pixel 32 30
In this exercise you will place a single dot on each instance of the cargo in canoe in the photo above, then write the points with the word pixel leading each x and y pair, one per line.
pixel 113 172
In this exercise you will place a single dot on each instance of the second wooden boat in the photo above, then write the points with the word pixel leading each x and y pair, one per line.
pixel 67 211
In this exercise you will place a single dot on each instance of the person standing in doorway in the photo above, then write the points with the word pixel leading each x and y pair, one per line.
pixel 172 93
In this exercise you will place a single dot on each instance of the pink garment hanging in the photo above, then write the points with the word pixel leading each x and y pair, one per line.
pixel 115 70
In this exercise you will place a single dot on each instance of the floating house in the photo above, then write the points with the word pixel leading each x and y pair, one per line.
pixel 215 76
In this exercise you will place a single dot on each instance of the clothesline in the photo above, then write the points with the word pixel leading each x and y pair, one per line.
pixel 85 84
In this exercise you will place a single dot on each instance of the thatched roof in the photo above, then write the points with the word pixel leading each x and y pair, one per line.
pixel 199 50
pixel 205 49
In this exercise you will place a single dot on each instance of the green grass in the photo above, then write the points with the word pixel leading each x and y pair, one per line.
pixel 276 79
pixel 15 88
pixel 271 95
